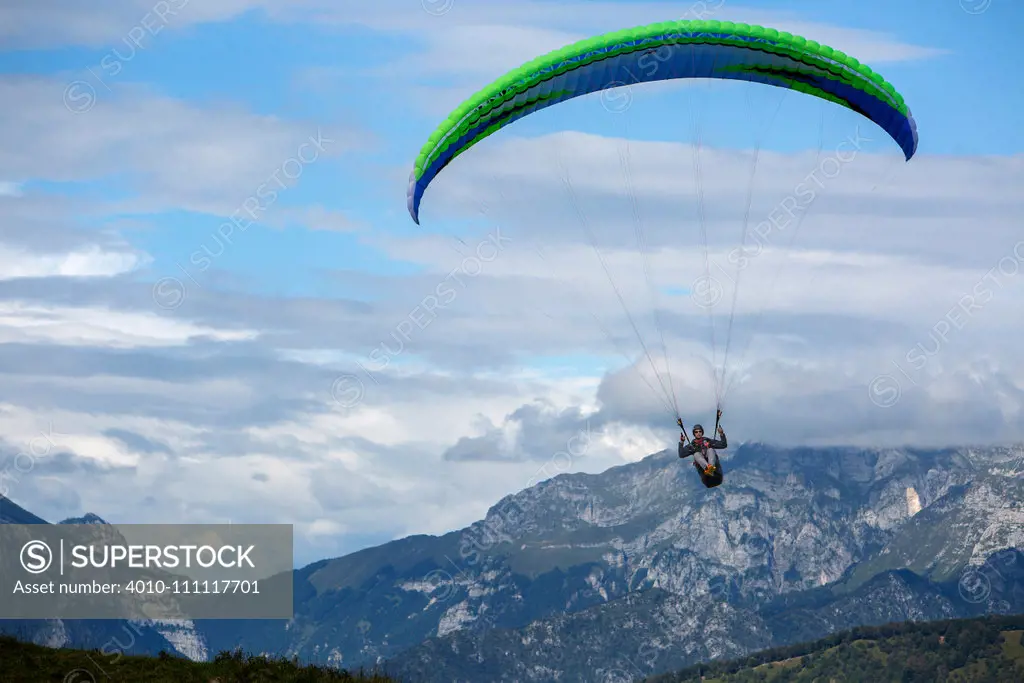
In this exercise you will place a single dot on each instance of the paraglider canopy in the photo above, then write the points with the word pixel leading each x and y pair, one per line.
pixel 708 50
pixel 663 51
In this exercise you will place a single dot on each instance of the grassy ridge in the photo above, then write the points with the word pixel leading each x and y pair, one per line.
pixel 982 650
pixel 27 663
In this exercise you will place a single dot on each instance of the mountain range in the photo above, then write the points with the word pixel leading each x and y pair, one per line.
pixel 639 569
pixel 113 637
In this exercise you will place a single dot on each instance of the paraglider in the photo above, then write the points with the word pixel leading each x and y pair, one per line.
pixel 658 52
pixel 704 451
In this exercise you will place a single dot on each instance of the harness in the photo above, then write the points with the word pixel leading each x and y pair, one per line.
pixel 703 443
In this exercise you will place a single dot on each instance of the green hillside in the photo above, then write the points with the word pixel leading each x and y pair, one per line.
pixel 983 650
pixel 26 663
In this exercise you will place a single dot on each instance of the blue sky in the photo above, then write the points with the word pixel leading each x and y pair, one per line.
pixel 126 308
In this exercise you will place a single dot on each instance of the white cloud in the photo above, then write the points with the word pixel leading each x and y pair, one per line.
pixel 9 189
pixel 340 471
pixel 850 257
pixel 92 326
pixel 91 262
pixel 471 45
pixel 590 18
pixel 179 156
pixel 25 24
